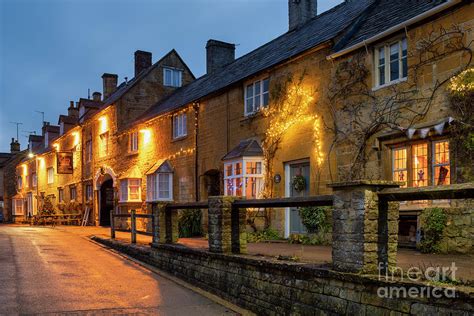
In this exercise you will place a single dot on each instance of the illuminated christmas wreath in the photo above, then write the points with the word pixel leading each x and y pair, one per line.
pixel 299 183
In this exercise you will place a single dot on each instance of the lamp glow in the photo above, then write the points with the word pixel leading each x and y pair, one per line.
pixel 146 135
pixel 103 124
pixel 76 138
pixel 56 146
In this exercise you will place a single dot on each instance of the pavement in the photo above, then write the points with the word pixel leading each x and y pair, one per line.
pixel 57 271
pixel 320 255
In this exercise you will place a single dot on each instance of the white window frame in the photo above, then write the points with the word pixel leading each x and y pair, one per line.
pixel 153 187
pixel 50 175
pixel 60 195
pixel 133 142
pixel 30 204
pixel 19 207
pixel 244 176
pixel 104 144
pixel 176 77
pixel 125 189
pixel 180 128
pixel 387 63
pixel 258 94
pixel 19 182
pixel 89 192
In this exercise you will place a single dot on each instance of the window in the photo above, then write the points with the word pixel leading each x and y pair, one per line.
pixel 179 126
pixel 133 142
pixel 34 180
pixel 50 175
pixel 30 204
pixel 391 63
pixel 89 192
pixel 441 166
pixel 46 140
pixel 244 178
pixel 88 150
pixel 172 77
pixel 73 193
pixel 256 96
pixel 18 207
pixel 130 190
pixel 422 164
pixel 60 195
pixel 27 181
pixel 400 172
pixel 104 144
pixel 160 186
pixel 19 183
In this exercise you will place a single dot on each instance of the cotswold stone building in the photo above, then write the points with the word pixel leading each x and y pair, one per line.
pixel 360 91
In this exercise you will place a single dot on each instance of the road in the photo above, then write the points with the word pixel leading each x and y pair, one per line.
pixel 49 271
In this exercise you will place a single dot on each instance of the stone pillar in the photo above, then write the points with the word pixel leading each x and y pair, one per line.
pixel 226 226
pixel 364 228
pixel 167 225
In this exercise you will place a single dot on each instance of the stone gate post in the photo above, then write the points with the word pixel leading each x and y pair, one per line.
pixel 167 224
pixel 365 229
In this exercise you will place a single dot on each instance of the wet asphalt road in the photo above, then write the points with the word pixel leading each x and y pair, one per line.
pixel 44 270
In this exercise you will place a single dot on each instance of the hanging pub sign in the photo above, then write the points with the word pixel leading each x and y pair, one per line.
pixel 64 159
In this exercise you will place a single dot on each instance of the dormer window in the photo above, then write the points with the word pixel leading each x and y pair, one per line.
pixel 391 64
pixel 172 77
pixel 160 182
pixel 256 96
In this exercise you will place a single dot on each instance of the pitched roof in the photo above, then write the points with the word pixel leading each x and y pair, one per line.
pixel 320 29
pixel 67 119
pixel 246 148
pixel 381 16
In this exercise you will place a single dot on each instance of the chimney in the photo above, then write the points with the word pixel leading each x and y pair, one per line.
pixel 14 146
pixel 142 61
pixel 218 54
pixel 96 96
pixel 72 111
pixel 300 12
pixel 110 84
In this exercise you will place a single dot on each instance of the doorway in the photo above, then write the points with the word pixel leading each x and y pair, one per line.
pixel 294 225
pixel 106 202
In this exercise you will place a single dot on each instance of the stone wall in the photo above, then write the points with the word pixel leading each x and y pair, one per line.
pixel 277 288
pixel 458 235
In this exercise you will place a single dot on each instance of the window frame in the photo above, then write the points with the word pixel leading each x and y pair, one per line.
pixel 88 151
pixel 243 177
pixel 434 165
pixel 256 96
pixel 34 180
pixel 103 144
pixel 19 182
pixel 179 125
pixel 402 60
pixel 89 192
pixel 125 190
pixel 73 189
pixel 153 189
pixel 60 195
pixel 176 77
pixel 133 142
pixel 50 177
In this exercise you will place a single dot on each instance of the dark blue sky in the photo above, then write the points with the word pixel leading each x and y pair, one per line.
pixel 53 51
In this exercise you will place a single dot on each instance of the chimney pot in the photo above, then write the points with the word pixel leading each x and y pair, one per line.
pixel 14 146
pixel 96 96
pixel 218 54
pixel 300 12
pixel 72 111
pixel 109 84
pixel 142 61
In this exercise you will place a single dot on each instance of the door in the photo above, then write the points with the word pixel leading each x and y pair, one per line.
pixel 106 202
pixel 297 169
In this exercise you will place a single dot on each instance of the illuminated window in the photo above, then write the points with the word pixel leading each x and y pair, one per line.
pixel 27 181
pixel 160 187
pixel 50 175
pixel 400 171
pixel 256 96
pixel 88 154
pixel 179 125
pixel 441 168
pixel 104 144
pixel 130 190
pixel 244 178
pixel 391 63
pixel 73 193
pixel 60 195
pixel 18 207
pixel 89 192
pixel 133 142
pixel 420 165
pixel 172 77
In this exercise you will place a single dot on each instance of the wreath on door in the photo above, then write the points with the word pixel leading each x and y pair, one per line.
pixel 299 183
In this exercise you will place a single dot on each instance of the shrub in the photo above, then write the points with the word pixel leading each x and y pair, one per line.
pixel 314 218
pixel 267 234
pixel 433 221
pixel 189 223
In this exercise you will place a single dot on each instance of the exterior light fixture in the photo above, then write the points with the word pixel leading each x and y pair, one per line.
pixel 56 146
pixel 76 138
pixel 31 155
pixel 146 135
pixel 103 124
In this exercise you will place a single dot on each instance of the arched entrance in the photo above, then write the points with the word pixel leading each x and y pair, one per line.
pixel 106 201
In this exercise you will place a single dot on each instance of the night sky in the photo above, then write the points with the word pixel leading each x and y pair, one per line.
pixel 53 51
